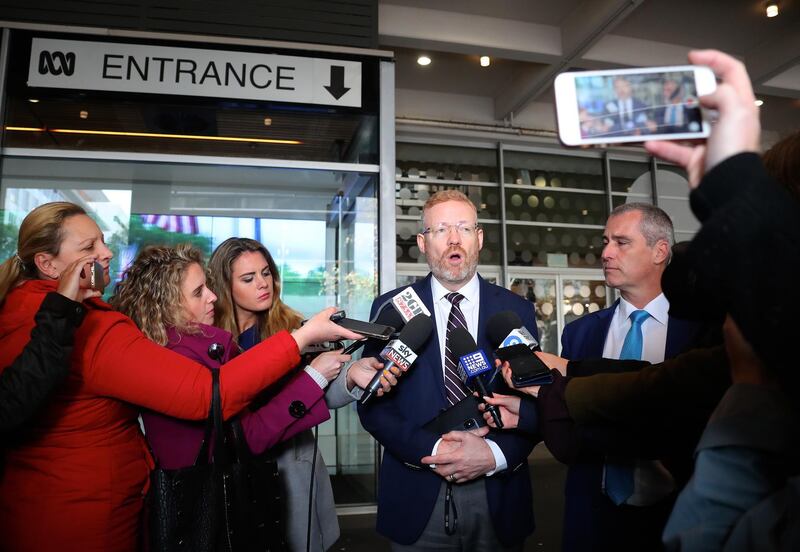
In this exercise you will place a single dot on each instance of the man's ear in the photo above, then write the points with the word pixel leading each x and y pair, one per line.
pixel 45 266
pixel 421 242
pixel 661 252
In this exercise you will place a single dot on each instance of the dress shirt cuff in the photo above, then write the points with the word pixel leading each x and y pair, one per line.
pixel 318 378
pixel 500 462
pixel 433 453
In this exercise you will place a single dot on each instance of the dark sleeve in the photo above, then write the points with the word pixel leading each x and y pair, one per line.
pixel 582 368
pixel 749 241
pixel 682 388
pixel 42 364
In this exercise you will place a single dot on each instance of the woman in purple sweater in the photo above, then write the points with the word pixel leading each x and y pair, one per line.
pixel 164 292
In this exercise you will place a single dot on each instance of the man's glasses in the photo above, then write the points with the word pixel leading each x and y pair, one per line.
pixel 442 230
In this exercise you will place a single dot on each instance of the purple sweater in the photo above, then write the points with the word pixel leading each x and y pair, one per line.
pixel 175 443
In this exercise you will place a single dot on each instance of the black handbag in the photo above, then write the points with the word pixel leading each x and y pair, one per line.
pixel 228 503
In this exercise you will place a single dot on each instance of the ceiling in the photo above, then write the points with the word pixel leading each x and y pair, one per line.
pixel 530 41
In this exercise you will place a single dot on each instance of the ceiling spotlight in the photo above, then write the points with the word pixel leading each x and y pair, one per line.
pixel 759 103
pixel 33 100
pixel 424 60
pixel 485 61
pixel 772 9
pixel 84 114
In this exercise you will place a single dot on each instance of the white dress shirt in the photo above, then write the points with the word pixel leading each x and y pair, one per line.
pixel 654 329
pixel 652 481
pixel 470 306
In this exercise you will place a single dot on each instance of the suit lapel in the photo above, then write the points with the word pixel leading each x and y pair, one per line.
pixel 679 335
pixel 596 337
pixel 431 356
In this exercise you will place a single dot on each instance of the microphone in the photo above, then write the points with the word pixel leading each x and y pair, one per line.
pixel 505 329
pixel 409 305
pixel 401 352
pixel 387 317
pixel 472 364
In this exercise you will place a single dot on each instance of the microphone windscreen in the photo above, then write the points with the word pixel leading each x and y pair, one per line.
pixel 500 325
pixel 416 332
pixel 390 317
pixel 461 342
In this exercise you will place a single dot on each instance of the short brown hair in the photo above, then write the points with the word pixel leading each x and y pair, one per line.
pixel 782 162
pixel 443 196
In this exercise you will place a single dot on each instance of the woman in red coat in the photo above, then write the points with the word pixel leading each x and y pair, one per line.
pixel 75 479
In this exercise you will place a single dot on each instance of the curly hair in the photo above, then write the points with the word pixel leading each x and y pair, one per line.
pixel 220 272
pixel 150 290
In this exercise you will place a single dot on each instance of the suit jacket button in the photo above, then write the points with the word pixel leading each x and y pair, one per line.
pixel 297 409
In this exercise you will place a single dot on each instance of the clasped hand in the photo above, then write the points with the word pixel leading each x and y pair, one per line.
pixel 462 456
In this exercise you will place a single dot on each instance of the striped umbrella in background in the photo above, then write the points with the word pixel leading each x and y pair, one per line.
pixel 184 224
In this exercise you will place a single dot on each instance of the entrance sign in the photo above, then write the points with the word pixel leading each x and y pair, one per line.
pixel 148 69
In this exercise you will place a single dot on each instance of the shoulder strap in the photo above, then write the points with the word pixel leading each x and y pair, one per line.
pixel 214 411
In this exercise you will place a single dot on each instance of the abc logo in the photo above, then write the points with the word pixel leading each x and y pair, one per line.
pixel 57 63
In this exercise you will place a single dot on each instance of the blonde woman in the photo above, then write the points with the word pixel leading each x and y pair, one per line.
pixel 246 280
pixel 77 479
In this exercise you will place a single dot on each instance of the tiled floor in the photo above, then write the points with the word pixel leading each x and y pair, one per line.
pixel 547 476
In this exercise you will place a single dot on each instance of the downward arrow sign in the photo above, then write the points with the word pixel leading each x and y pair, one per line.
pixel 337 88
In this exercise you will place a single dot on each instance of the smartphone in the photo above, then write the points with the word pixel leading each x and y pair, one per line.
pixel 526 368
pixel 96 277
pixel 632 105
pixel 369 329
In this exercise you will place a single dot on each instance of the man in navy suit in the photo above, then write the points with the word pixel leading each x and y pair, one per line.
pixel 638 239
pixel 462 490
pixel 626 115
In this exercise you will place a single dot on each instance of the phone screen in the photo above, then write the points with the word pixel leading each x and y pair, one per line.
pixel 632 105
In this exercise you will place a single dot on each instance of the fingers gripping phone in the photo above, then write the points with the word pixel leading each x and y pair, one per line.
pixel 632 105
pixel 369 329
pixel 527 369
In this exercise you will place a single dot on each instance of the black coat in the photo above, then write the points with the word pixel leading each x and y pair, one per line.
pixel 43 363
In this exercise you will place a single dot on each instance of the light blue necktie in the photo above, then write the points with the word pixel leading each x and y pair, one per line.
pixel 618 478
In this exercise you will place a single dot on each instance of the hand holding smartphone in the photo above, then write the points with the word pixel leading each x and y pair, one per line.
pixel 369 329
pixel 632 105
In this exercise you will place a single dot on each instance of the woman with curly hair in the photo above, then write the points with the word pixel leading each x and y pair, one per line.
pixel 246 280
pixel 77 476
pixel 164 292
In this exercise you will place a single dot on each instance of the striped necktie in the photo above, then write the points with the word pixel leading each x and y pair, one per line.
pixel 452 381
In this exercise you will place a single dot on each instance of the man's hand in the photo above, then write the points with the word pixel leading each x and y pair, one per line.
pixel 738 129
pixel 509 410
pixel 69 281
pixel 362 371
pixel 471 458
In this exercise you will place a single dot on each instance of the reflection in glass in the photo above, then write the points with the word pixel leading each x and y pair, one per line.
pixel 578 304
pixel 542 293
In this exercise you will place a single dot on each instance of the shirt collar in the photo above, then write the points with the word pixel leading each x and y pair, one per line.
pixel 469 290
pixel 658 309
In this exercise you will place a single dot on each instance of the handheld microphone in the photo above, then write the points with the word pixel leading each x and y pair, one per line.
pixel 472 364
pixel 505 329
pixel 401 352
pixel 409 305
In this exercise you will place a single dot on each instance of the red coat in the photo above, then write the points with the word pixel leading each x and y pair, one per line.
pixel 78 478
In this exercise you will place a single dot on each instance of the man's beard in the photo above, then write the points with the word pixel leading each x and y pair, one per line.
pixel 445 273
